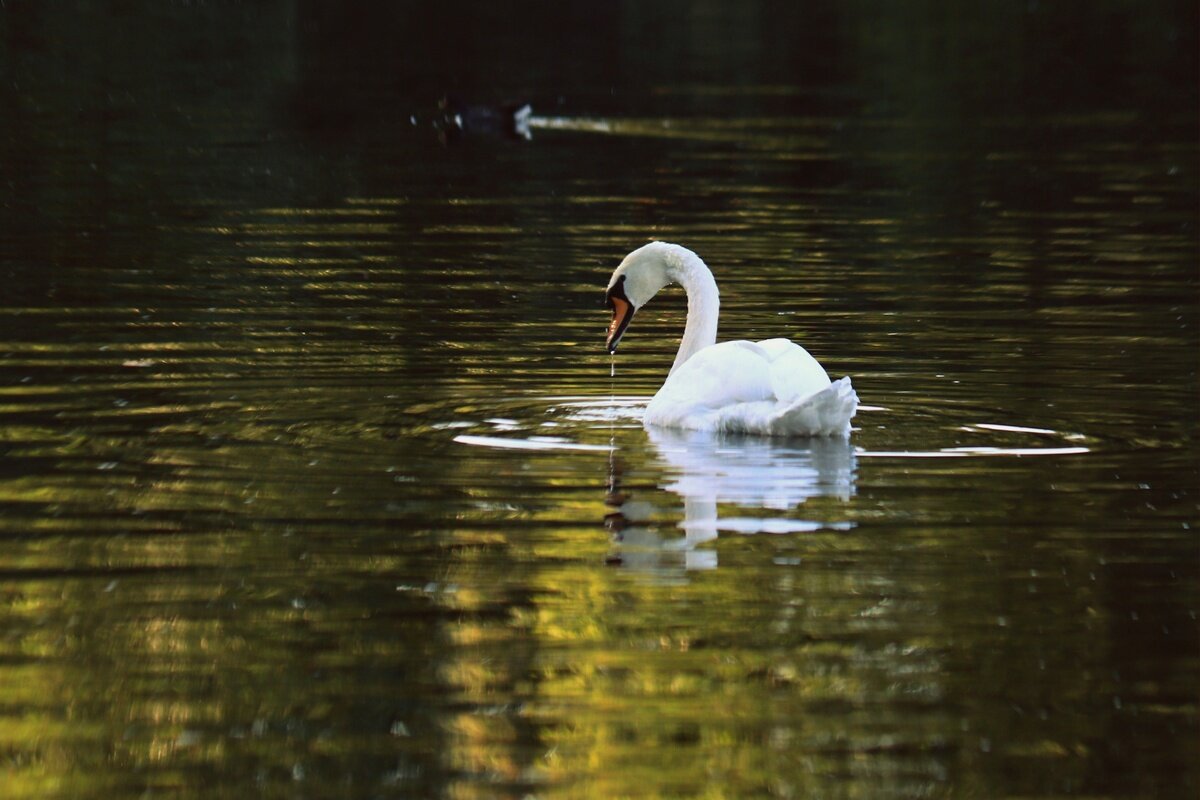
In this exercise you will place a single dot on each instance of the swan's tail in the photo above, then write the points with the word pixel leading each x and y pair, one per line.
pixel 826 413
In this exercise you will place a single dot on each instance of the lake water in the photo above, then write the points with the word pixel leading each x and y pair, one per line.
pixel 316 480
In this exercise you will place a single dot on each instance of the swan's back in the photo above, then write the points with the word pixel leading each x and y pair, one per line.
pixel 772 387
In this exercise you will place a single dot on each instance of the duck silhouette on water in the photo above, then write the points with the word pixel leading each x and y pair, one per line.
pixel 456 119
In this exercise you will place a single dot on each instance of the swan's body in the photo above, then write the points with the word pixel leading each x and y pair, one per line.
pixel 772 387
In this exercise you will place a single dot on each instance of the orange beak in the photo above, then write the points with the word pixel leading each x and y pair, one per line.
pixel 622 311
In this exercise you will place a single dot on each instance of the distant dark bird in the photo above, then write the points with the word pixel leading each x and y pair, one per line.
pixel 455 119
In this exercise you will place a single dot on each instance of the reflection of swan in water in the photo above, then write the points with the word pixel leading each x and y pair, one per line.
pixel 706 469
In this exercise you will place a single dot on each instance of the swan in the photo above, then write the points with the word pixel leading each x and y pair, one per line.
pixel 769 388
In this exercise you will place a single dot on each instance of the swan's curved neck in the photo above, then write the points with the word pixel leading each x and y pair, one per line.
pixel 704 304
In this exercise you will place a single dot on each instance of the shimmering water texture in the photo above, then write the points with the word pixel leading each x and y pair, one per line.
pixel 316 479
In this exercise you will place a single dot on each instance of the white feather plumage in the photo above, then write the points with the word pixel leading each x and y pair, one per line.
pixel 772 387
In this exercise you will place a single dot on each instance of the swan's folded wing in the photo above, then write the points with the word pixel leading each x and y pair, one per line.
pixel 719 376
pixel 793 372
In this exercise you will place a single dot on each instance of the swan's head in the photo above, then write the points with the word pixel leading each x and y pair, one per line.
pixel 638 278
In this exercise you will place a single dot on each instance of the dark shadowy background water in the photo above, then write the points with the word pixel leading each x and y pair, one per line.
pixel 314 481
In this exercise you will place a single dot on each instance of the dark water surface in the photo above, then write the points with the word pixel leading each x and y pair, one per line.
pixel 315 480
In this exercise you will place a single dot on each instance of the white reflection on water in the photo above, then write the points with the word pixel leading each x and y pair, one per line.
pixel 965 452
pixel 706 469
pixel 734 484
pixel 613 409
pixel 530 443
pixel 992 428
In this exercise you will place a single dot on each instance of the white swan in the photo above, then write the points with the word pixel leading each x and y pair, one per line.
pixel 772 387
